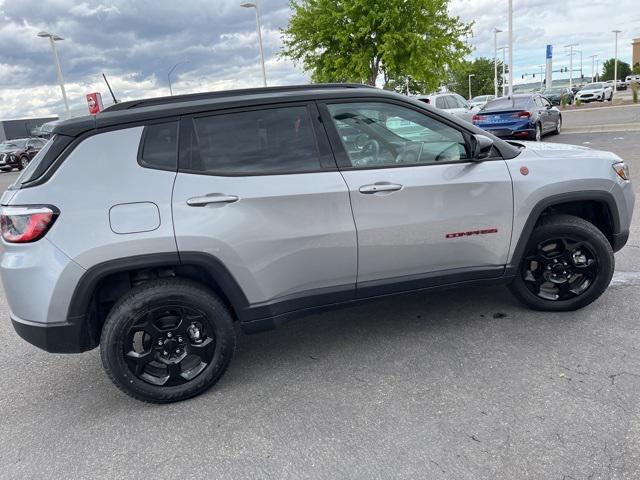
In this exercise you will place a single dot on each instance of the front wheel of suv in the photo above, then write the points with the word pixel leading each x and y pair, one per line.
pixel 167 340
pixel 568 263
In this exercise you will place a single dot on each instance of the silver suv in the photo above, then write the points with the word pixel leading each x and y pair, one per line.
pixel 155 226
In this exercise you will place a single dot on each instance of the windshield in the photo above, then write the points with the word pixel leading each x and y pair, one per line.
pixel 13 145
pixel 481 98
pixel 552 91
pixel 592 86
pixel 506 103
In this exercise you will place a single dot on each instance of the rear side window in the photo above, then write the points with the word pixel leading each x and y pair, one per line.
pixel 42 162
pixel 159 147
pixel 270 141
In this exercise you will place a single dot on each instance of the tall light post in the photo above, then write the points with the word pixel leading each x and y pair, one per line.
pixel 541 76
pixel 255 5
pixel 615 65
pixel 597 69
pixel 510 47
pixel 470 75
pixel 504 63
pixel 170 72
pixel 593 61
pixel 570 47
pixel 52 39
pixel 496 31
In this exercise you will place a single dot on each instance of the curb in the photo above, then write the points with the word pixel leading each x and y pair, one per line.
pixel 620 127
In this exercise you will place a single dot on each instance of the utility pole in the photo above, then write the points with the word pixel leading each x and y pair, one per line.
pixel 496 31
pixel 470 75
pixel 570 47
pixel 510 47
pixel 255 5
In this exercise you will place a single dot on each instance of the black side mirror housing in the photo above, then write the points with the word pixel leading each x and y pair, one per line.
pixel 481 147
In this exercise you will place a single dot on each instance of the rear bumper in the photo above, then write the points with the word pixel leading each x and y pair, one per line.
pixel 54 337
pixel 509 133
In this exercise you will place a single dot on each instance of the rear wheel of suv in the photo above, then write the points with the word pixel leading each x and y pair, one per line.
pixel 167 340
pixel 24 162
pixel 568 263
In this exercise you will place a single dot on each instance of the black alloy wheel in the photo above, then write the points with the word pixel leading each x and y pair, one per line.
pixel 567 264
pixel 169 345
pixel 167 340
pixel 560 268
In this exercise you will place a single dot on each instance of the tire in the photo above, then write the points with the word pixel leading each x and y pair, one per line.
pixel 6 169
pixel 24 162
pixel 558 126
pixel 592 243
pixel 537 135
pixel 182 301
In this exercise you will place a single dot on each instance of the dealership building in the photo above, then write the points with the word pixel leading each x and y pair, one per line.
pixel 21 128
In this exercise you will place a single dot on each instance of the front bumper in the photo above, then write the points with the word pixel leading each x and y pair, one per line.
pixel 591 97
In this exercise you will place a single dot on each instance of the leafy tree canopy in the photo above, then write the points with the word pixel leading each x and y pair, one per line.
pixel 409 42
pixel 624 70
pixel 636 69
pixel 481 83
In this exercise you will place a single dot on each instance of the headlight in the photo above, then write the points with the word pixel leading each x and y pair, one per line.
pixel 622 169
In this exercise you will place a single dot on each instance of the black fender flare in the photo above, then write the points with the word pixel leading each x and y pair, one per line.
pixel 542 205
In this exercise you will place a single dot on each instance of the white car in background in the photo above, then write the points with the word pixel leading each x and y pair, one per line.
pixel 451 103
pixel 480 101
pixel 595 92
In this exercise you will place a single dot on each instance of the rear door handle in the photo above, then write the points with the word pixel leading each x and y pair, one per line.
pixel 211 198
pixel 380 187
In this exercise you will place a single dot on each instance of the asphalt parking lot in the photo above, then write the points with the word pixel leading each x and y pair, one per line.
pixel 456 385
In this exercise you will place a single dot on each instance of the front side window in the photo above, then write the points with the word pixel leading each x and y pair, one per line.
pixel 269 141
pixel 383 135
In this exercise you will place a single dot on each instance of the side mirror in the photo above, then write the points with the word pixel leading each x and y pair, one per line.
pixel 481 147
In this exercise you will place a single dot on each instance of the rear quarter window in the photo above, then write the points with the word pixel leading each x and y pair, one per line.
pixel 159 146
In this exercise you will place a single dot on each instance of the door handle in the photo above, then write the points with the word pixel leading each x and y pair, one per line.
pixel 380 187
pixel 211 198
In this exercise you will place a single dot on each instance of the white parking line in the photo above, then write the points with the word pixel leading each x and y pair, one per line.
pixel 626 278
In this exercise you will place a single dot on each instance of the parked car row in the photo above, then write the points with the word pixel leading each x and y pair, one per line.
pixel 525 116
pixel 19 152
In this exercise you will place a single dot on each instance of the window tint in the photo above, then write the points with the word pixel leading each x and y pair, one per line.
pixel 276 140
pixel 160 148
pixel 508 103
pixel 460 102
pixel 382 135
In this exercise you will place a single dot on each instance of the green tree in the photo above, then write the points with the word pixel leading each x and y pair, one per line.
pixel 408 42
pixel 636 69
pixel 481 83
pixel 624 70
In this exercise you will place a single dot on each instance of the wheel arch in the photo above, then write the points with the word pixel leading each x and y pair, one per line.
pixel 605 216
pixel 103 284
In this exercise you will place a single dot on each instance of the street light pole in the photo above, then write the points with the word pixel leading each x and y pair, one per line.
pixel 504 83
pixel 510 47
pixel 570 47
pixel 170 72
pixel 615 66
pixel 496 31
pixel 52 39
pixel 470 75
pixel 593 61
pixel 258 27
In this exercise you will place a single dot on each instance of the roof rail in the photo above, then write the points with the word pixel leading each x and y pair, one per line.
pixel 148 102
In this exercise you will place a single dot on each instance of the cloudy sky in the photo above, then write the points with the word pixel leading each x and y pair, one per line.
pixel 136 43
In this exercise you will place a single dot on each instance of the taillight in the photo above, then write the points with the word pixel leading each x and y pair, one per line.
pixel 521 115
pixel 25 224
pixel 478 118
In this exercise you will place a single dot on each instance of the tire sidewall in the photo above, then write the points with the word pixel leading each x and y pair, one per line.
pixel 595 241
pixel 125 312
